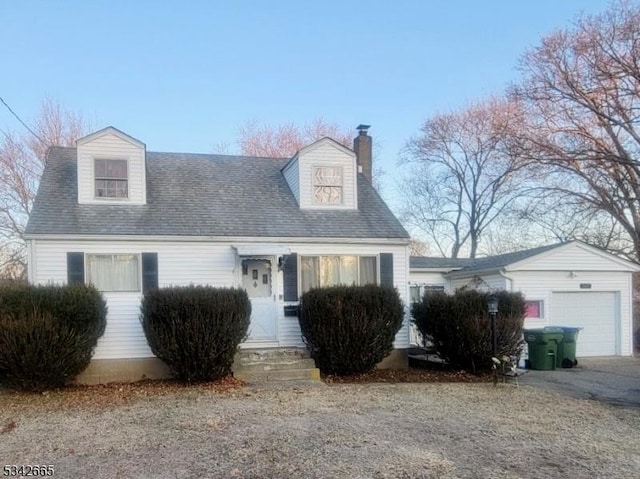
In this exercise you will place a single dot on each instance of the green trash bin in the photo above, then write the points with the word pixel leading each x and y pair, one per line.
pixel 543 347
pixel 566 357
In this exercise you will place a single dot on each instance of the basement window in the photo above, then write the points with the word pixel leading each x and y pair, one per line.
pixel 111 178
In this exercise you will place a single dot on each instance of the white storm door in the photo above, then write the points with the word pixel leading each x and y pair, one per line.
pixel 257 280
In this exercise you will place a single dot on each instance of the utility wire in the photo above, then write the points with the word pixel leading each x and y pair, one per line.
pixel 22 122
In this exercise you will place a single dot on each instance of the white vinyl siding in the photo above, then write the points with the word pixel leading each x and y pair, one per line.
pixel 571 257
pixel 542 285
pixel 326 154
pixel 111 146
pixel 178 264
pixel 184 263
pixel 292 176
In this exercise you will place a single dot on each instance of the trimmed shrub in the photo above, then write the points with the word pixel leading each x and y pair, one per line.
pixel 459 326
pixel 350 329
pixel 196 330
pixel 48 333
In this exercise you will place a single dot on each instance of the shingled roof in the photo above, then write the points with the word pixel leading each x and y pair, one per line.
pixel 465 265
pixel 204 195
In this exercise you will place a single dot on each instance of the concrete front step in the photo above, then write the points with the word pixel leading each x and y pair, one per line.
pixel 272 353
pixel 274 364
pixel 278 375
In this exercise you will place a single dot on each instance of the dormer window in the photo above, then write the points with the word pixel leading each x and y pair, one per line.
pixel 111 178
pixel 327 185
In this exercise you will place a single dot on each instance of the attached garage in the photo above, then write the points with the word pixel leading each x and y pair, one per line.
pixel 597 312
pixel 567 284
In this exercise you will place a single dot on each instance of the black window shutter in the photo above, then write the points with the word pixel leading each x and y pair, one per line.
pixel 290 273
pixel 75 268
pixel 149 271
pixel 386 269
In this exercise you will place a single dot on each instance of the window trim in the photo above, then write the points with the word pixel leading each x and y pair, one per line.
pixel 128 179
pixel 541 309
pixel 314 201
pixel 88 279
pixel 424 287
pixel 358 256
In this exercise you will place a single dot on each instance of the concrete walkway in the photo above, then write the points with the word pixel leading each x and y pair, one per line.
pixel 613 380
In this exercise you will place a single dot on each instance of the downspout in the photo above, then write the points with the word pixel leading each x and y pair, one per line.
pixel 509 280
pixel 30 261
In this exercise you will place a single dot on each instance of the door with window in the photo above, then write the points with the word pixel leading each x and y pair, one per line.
pixel 258 282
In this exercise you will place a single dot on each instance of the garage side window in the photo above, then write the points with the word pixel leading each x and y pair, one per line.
pixel 534 309
pixel 114 272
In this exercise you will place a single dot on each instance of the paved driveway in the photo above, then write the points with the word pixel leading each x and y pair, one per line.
pixel 613 380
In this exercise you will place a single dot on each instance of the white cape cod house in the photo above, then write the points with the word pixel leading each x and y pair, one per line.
pixel 125 219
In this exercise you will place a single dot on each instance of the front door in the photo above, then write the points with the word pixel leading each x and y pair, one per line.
pixel 257 280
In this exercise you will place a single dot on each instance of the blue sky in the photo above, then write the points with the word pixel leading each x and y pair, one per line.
pixel 184 76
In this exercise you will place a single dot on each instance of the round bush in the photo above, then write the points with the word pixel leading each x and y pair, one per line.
pixel 459 326
pixel 48 334
pixel 350 329
pixel 196 330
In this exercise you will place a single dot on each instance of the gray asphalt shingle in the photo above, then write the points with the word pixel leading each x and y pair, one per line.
pixel 476 264
pixel 204 195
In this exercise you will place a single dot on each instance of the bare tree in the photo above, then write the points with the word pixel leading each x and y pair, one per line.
pixel 284 140
pixel 418 247
pixel 22 159
pixel 581 92
pixel 462 177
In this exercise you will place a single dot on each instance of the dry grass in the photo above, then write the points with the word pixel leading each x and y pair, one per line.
pixel 339 430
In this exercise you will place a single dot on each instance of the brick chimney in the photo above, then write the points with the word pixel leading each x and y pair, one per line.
pixel 362 147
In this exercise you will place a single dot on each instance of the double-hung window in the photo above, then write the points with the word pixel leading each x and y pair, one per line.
pixel 114 272
pixel 111 178
pixel 319 271
pixel 327 185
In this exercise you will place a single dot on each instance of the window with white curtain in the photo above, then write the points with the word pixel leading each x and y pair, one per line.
pixel 319 271
pixel 114 272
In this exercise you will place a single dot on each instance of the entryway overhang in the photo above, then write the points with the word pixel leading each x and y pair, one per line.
pixel 261 250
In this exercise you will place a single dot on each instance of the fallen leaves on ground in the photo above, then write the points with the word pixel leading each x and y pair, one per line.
pixel 112 394
pixel 411 375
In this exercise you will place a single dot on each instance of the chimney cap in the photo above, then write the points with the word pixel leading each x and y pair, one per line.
pixel 363 128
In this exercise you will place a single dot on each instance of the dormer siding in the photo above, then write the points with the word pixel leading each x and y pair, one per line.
pixel 111 144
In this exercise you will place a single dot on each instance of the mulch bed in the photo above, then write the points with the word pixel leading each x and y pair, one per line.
pixel 411 375
pixel 118 394
pixel 112 394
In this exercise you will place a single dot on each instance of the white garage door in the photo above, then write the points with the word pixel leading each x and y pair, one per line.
pixel 596 312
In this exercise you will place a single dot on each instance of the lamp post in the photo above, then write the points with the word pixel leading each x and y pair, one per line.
pixel 492 307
